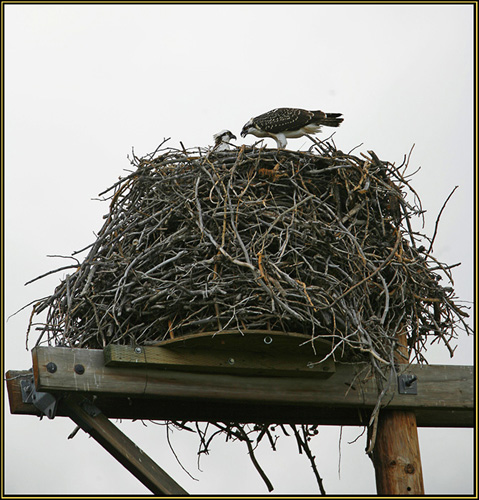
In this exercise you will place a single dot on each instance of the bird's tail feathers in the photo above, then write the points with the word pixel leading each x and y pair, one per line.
pixel 329 119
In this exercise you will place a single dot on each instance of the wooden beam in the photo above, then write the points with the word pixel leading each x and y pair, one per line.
pixel 17 406
pixel 272 364
pixel 131 406
pixel 121 447
pixel 252 341
pixel 444 399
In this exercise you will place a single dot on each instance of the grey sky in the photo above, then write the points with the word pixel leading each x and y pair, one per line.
pixel 86 83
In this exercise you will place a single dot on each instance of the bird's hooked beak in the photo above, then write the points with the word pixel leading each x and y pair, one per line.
pixel 246 127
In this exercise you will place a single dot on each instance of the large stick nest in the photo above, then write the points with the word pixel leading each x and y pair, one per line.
pixel 317 242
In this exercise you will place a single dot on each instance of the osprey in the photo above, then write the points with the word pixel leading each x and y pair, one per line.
pixel 222 140
pixel 281 123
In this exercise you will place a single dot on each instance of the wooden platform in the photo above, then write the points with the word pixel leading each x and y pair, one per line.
pixel 216 378
pixel 445 394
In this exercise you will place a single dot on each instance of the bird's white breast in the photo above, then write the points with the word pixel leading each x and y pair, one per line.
pixel 307 129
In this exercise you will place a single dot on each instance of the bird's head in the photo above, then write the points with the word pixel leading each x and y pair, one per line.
pixel 224 136
pixel 247 128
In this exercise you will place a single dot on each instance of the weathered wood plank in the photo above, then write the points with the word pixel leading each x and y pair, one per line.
pixel 131 406
pixel 445 393
pixel 251 340
pixel 219 361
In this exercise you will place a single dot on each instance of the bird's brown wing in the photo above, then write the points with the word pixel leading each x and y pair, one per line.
pixel 283 119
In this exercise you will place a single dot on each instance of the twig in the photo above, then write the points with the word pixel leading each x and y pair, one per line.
pixel 253 458
pixel 436 225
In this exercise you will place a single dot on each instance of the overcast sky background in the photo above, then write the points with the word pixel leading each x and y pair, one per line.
pixel 86 83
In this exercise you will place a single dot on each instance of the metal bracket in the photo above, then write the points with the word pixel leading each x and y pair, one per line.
pixel 90 408
pixel 47 403
pixel 407 383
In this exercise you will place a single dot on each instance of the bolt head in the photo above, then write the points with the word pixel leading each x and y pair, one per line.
pixel 51 367
pixel 410 469
pixel 79 369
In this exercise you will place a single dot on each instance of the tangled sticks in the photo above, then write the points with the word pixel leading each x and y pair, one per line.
pixel 316 242
pixel 258 238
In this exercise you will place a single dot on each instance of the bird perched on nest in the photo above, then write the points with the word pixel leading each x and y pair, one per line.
pixel 222 140
pixel 282 123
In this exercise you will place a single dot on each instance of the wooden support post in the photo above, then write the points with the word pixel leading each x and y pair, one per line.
pixel 396 457
pixel 122 448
